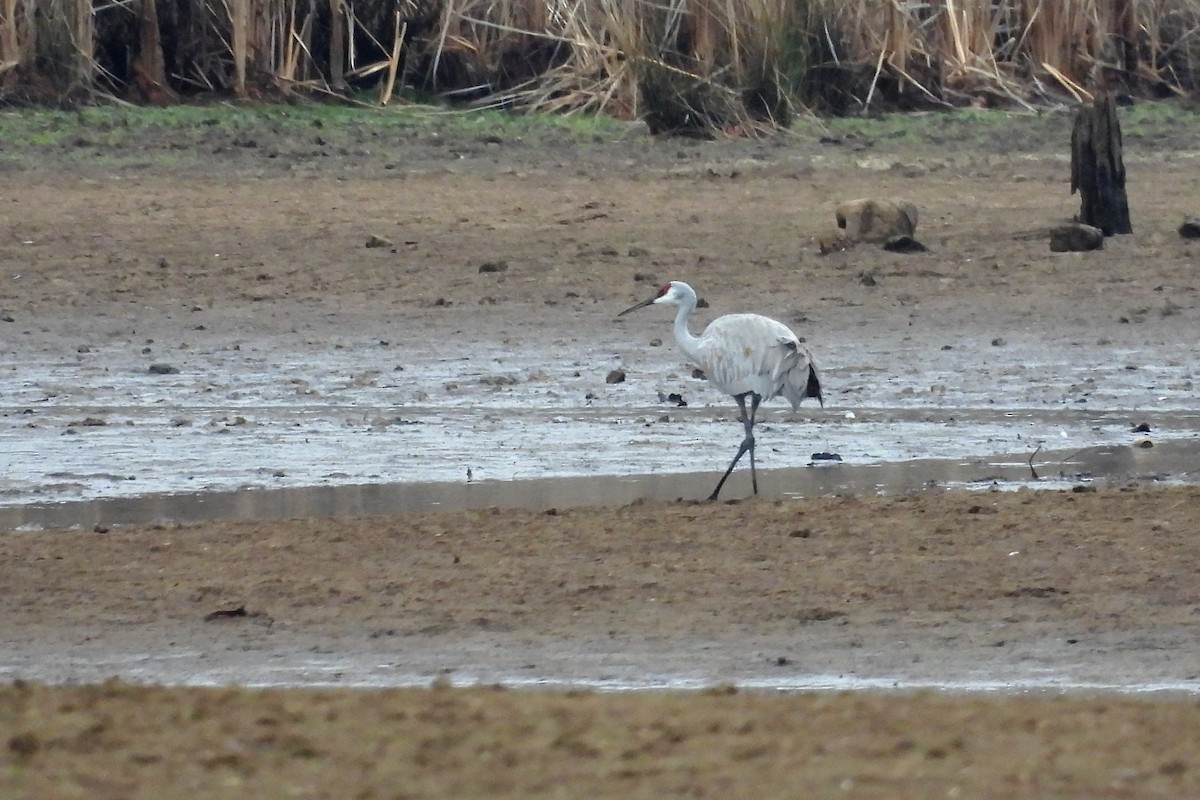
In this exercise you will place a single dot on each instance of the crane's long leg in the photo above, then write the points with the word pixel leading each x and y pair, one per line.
pixel 747 443
pixel 754 401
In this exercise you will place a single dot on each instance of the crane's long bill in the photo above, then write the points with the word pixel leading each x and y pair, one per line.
pixel 642 304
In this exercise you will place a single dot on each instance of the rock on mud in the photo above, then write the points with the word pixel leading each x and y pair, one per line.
pixel 876 221
pixel 904 244
pixel 1190 229
pixel 1076 237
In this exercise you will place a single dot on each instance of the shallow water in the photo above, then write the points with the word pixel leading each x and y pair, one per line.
pixel 323 409
pixel 1177 461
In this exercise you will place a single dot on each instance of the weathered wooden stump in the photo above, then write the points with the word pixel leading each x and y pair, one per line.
pixel 1098 168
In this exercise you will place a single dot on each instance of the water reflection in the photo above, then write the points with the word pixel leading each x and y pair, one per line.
pixel 1177 461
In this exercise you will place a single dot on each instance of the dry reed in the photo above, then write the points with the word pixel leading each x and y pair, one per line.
pixel 707 65
pixel 969 51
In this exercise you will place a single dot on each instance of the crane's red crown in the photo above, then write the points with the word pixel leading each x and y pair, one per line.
pixel 666 287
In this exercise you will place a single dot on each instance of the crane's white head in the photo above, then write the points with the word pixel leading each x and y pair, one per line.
pixel 675 293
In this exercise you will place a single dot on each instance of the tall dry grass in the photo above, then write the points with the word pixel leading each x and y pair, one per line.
pixel 706 65
pixel 15 20
pixel 1023 50
pixel 682 63
pixel 55 35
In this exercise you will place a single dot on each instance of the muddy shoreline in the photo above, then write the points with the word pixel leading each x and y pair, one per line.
pixel 287 355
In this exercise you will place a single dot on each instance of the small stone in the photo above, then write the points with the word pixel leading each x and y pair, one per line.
pixel 493 266
pixel 163 369
pixel 615 376
pixel 677 399
pixel 999 341
pixel 1076 238
pixel 1190 229
pixel 904 244
pixel 374 241
pixel 635 128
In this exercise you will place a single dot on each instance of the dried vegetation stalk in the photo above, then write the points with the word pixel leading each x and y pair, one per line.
pixel 1024 51
pixel 736 66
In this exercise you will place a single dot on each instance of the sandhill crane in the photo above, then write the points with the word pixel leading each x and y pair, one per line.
pixel 743 355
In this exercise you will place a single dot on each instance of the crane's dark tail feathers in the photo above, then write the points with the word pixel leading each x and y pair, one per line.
pixel 813 388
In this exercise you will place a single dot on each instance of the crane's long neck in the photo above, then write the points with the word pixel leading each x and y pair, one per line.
pixel 690 345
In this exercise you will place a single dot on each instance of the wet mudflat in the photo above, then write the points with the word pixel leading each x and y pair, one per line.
pixel 103 401
pixel 1019 595
pixel 196 331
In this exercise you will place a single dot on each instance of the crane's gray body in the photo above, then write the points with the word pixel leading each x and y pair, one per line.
pixel 742 353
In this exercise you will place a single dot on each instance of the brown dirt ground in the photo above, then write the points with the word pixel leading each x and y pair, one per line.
pixel 1113 570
